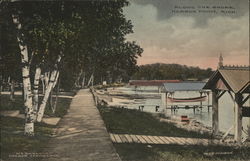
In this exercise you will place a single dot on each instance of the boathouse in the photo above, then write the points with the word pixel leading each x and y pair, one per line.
pixel 171 88
pixel 184 86
pixel 150 84
pixel 235 81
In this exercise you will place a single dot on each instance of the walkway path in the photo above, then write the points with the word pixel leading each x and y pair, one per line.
pixel 82 135
pixel 146 139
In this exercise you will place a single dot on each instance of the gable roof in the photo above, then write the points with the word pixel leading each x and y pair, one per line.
pixel 184 86
pixel 236 80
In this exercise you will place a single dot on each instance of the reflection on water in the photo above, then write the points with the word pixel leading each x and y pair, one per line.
pixel 226 107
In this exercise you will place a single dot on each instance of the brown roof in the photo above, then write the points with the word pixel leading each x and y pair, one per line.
pixel 236 80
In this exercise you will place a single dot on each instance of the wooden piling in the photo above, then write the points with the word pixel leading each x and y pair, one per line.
pixel 142 107
pixel 215 113
pixel 238 118
pixel 163 100
pixel 201 102
pixel 208 102
pixel 165 108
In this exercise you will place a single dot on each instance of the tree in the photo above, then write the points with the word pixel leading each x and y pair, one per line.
pixel 74 37
pixel 33 39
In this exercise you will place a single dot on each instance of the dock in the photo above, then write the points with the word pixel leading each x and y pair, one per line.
pixel 147 139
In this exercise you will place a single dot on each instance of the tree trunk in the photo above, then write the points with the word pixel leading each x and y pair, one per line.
pixel 56 100
pixel 29 115
pixel 90 79
pixel 52 80
pixel 51 100
pixel 52 105
pixel 56 79
pixel 35 89
pixel 83 80
pixel 1 84
pixel 46 79
pixel 77 81
pixel 92 82
pixel 43 83
pixel 12 90
pixel 46 96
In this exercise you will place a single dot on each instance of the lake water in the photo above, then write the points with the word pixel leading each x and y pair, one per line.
pixel 226 107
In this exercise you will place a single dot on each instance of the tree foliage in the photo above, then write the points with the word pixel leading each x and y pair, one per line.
pixel 90 36
pixel 71 39
pixel 171 71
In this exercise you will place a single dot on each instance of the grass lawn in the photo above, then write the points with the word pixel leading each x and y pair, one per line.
pixel 61 110
pixel 12 138
pixel 141 152
pixel 127 121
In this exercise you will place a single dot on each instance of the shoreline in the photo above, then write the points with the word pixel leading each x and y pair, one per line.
pixel 104 98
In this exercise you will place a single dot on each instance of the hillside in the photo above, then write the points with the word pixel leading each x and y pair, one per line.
pixel 161 71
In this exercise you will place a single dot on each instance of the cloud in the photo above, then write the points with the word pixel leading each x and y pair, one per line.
pixel 178 39
pixel 165 7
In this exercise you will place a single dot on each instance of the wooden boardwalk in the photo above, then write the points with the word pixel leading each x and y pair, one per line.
pixel 146 139
pixel 81 135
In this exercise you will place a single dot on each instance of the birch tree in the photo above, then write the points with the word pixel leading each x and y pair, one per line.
pixel 51 85
pixel 29 112
pixel 35 90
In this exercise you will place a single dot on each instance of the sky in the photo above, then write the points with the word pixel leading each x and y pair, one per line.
pixel 191 32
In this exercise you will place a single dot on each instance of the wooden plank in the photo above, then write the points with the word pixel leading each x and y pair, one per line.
pixel 156 140
pixel 126 138
pixel 143 139
pixel 164 139
pixel 172 140
pixel 135 139
pixel 112 137
pixel 178 141
pixel 205 141
pixel 200 142
pixel 146 139
pixel 130 140
pixel 197 141
pixel 183 140
pixel 117 138
pixel 191 141
pixel 159 140
pixel 215 141
pixel 152 139
pixel 123 138
pixel 167 139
